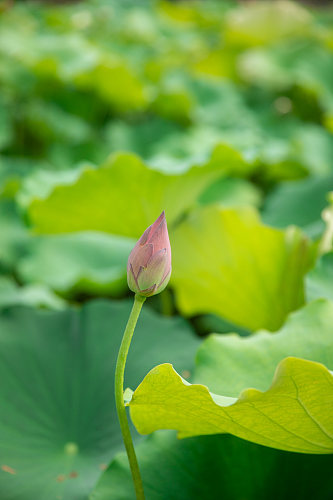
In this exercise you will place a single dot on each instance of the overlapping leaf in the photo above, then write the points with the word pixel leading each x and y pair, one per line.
pixel 228 263
pixel 293 415
pixel 294 411
pixel 229 363
pixel 84 262
pixel 32 295
pixel 122 197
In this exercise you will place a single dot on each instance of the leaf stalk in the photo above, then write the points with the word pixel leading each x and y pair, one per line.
pixel 119 395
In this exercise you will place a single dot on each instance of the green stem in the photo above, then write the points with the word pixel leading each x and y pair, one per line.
pixel 119 392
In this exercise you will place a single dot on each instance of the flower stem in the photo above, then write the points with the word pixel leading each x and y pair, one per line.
pixel 119 393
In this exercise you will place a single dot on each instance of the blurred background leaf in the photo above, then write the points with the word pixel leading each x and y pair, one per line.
pixel 223 264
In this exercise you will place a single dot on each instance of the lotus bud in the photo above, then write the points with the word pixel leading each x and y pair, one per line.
pixel 149 263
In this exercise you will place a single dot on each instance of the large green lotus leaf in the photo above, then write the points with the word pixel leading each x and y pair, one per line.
pixel 295 414
pixel 216 467
pixel 225 261
pixel 32 295
pixel 300 203
pixel 58 425
pixel 319 281
pixel 122 197
pixel 228 363
pixel 85 262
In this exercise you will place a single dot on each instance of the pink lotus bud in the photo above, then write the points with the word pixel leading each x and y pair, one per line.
pixel 149 263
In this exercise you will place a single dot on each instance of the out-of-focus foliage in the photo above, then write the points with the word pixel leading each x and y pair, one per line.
pixel 221 113
pixel 168 82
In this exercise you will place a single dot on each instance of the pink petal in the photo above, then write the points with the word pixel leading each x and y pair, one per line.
pixel 155 270
pixel 139 257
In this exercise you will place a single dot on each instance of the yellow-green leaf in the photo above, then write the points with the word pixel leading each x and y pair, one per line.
pixel 295 414
pixel 226 262
pixel 122 197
